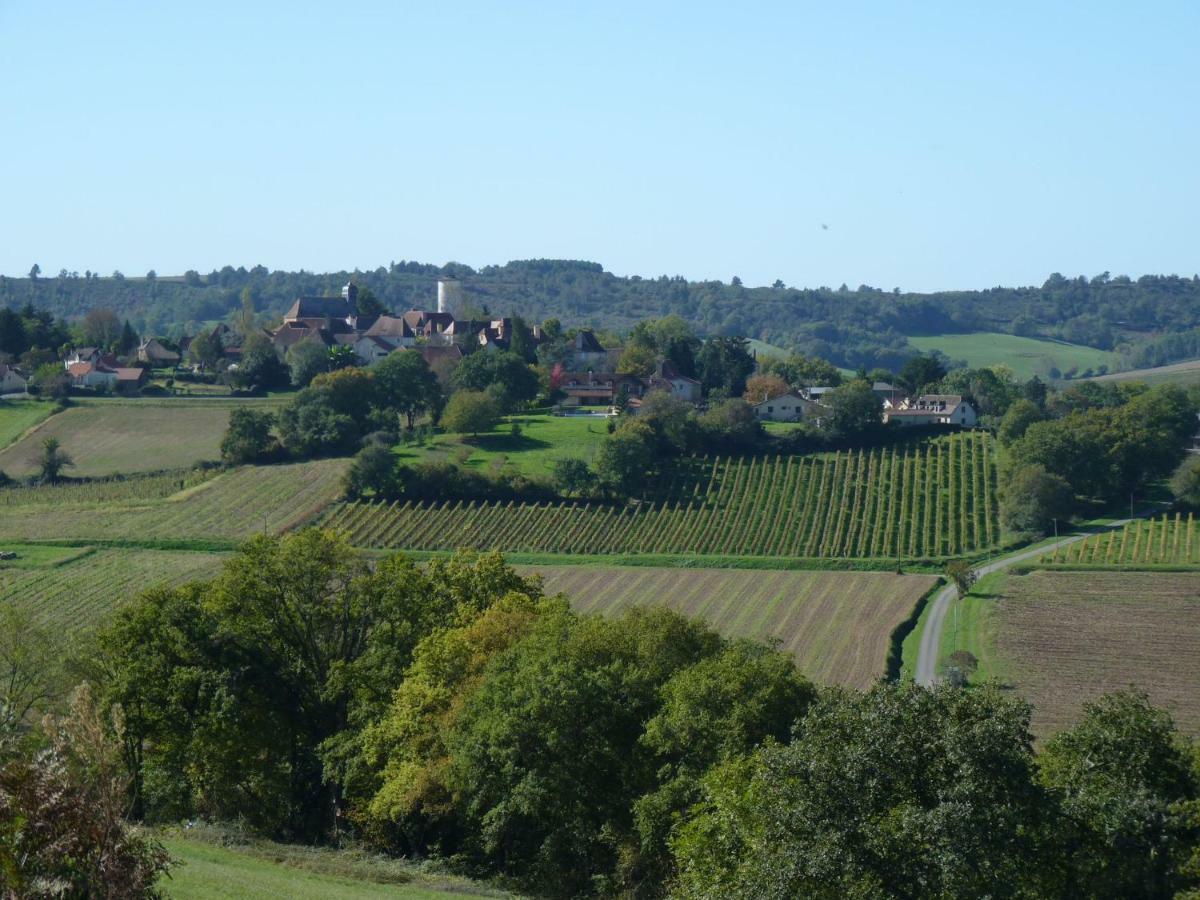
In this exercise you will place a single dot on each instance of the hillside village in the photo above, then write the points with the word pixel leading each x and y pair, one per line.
pixel 582 371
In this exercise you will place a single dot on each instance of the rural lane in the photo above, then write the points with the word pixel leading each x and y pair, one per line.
pixel 927 655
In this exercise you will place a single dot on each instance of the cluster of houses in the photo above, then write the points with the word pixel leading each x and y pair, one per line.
pixel 810 405
pixel 586 377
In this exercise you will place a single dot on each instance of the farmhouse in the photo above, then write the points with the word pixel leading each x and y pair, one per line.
pixel 153 352
pixel 588 354
pixel 667 378
pixel 592 389
pixel 890 394
pixel 129 380
pixel 933 409
pixel 12 380
pixel 91 375
pixel 789 407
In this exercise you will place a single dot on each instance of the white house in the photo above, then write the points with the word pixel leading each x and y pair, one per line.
pixel 934 409
pixel 11 380
pixel 678 385
pixel 92 375
pixel 367 347
pixel 82 355
pixel 789 407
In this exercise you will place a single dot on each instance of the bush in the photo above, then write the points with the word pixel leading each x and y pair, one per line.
pixel 248 438
pixel 471 412
pixel 62 828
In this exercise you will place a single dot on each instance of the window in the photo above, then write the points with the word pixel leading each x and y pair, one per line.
pixel 770 409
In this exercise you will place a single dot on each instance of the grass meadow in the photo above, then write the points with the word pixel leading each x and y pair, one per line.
pixel 1025 356
pixel 205 871
pixel 18 416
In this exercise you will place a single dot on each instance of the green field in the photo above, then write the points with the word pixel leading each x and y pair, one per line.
pixel 224 509
pixel 1172 540
pixel 837 625
pixel 1025 356
pixel 926 500
pixel 543 439
pixel 109 437
pixel 203 871
pixel 972 625
pixel 18 416
pixel 1181 373
pixel 78 591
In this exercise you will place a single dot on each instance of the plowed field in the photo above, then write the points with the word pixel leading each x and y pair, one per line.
pixel 838 625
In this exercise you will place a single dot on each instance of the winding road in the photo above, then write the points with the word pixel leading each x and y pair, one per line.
pixel 927 655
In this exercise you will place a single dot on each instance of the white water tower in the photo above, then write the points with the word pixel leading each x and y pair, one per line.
pixel 449 296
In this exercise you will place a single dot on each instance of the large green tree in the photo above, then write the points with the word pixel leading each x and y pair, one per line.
pixel 405 382
pixel 502 373
pixel 245 697
pixel 896 792
pixel 1129 793
pixel 856 412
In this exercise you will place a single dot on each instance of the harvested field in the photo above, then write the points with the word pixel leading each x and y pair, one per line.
pixel 230 507
pixel 119 437
pixel 838 625
pixel 1066 638
pixel 81 592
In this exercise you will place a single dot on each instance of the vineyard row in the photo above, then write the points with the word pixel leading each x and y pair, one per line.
pixel 926 500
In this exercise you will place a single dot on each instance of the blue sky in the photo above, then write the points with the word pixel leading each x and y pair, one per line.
pixel 944 145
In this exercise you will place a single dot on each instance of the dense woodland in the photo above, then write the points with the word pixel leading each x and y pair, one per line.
pixel 1152 320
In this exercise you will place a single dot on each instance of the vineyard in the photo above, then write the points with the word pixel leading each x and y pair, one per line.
pixel 80 592
pixel 930 499
pixel 105 490
pixel 837 625
pixel 230 507
pixel 1170 540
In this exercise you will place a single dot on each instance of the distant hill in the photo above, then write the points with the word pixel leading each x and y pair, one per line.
pixel 1150 321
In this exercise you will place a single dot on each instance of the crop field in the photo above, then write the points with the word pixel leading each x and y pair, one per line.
pixel 18 416
pixel 838 625
pixel 925 500
pixel 229 508
pixel 1068 637
pixel 1169 541
pixel 111 437
pixel 1025 356
pixel 80 591
pixel 110 490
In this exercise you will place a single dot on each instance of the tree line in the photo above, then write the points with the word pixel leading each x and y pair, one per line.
pixel 863 326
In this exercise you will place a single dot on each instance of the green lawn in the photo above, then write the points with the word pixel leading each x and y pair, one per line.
pixel 207 872
pixel 543 439
pixel 1025 356
pixel 18 416
pixel 39 556
pixel 974 628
